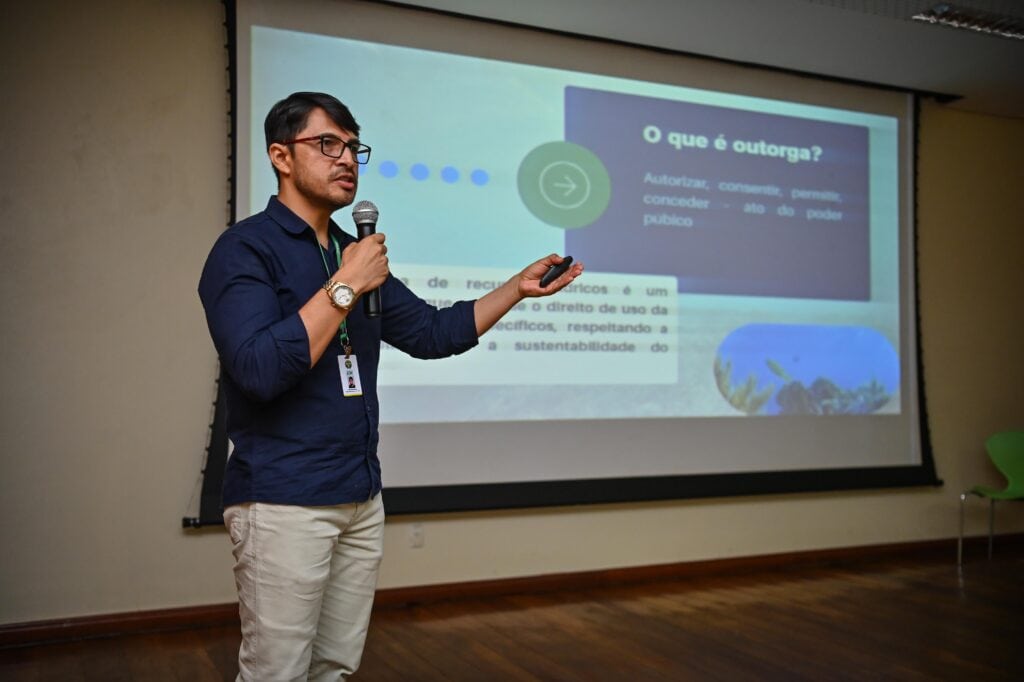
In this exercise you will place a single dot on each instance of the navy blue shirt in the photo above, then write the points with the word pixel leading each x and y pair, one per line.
pixel 297 439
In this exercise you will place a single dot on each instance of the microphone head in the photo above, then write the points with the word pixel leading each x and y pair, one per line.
pixel 364 212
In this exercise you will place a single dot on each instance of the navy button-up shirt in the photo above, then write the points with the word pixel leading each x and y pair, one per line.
pixel 297 439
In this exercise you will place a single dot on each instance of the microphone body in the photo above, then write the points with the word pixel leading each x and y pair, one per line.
pixel 365 216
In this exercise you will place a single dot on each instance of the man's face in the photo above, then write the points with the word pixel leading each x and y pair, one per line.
pixel 322 180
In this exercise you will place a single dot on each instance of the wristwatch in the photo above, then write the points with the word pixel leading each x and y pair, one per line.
pixel 342 295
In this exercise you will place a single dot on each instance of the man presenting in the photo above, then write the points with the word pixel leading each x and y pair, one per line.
pixel 302 487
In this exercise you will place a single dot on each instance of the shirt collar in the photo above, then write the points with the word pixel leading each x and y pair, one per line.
pixel 292 223
pixel 284 217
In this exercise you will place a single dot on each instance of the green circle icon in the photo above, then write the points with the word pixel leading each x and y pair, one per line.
pixel 564 184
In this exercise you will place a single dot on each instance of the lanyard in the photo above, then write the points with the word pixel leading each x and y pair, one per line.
pixel 343 328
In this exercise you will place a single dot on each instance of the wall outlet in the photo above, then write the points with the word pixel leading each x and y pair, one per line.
pixel 416 535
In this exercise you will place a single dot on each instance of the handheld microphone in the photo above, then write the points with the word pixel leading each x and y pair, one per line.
pixel 365 216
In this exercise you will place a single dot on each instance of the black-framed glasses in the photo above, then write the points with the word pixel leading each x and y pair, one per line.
pixel 334 147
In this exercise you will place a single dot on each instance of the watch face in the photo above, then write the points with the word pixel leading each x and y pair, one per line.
pixel 342 296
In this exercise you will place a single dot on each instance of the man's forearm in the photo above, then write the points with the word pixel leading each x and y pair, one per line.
pixel 365 268
pixel 491 307
pixel 321 320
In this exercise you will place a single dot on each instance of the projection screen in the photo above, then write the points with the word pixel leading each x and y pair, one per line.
pixel 746 320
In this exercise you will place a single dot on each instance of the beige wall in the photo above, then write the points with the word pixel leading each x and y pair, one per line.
pixel 113 189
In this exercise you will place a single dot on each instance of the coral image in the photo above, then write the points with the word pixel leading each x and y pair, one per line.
pixel 745 397
pixel 806 370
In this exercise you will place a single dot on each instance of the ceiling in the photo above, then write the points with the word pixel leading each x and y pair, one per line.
pixel 873 41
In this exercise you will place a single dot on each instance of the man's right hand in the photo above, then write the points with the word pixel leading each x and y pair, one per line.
pixel 364 264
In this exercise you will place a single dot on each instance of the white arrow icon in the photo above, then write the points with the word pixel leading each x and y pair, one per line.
pixel 568 185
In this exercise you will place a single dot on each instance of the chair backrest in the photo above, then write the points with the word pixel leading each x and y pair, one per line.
pixel 1006 450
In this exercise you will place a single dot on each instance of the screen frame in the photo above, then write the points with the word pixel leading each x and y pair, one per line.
pixel 551 493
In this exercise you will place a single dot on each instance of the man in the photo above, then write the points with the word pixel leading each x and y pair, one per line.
pixel 302 487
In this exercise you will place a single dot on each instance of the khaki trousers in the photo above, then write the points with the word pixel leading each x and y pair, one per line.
pixel 306 578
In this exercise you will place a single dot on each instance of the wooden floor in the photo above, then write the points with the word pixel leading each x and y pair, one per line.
pixel 891 620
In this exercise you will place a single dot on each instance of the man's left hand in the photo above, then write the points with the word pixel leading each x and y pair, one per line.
pixel 528 281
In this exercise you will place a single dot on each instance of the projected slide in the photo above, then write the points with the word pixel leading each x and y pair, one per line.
pixel 741 253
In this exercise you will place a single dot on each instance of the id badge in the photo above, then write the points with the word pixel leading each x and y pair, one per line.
pixel 350 384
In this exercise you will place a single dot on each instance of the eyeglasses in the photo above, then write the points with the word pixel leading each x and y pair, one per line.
pixel 335 147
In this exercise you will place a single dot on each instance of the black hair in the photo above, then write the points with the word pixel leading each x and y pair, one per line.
pixel 289 116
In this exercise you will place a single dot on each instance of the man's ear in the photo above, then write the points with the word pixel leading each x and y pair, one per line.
pixel 281 157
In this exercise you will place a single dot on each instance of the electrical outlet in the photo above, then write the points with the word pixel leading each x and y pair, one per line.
pixel 416 535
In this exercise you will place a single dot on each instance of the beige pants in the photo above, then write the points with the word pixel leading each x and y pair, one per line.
pixel 306 578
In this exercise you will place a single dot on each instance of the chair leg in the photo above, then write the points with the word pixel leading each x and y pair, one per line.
pixel 991 523
pixel 960 540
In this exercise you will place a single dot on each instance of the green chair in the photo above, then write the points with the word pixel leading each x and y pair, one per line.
pixel 1006 450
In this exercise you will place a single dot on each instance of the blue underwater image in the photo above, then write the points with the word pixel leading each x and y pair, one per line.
pixel 786 369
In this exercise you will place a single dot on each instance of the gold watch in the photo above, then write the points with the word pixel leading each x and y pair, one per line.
pixel 342 296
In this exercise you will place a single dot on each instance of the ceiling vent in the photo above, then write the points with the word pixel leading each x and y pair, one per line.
pixel 973 20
